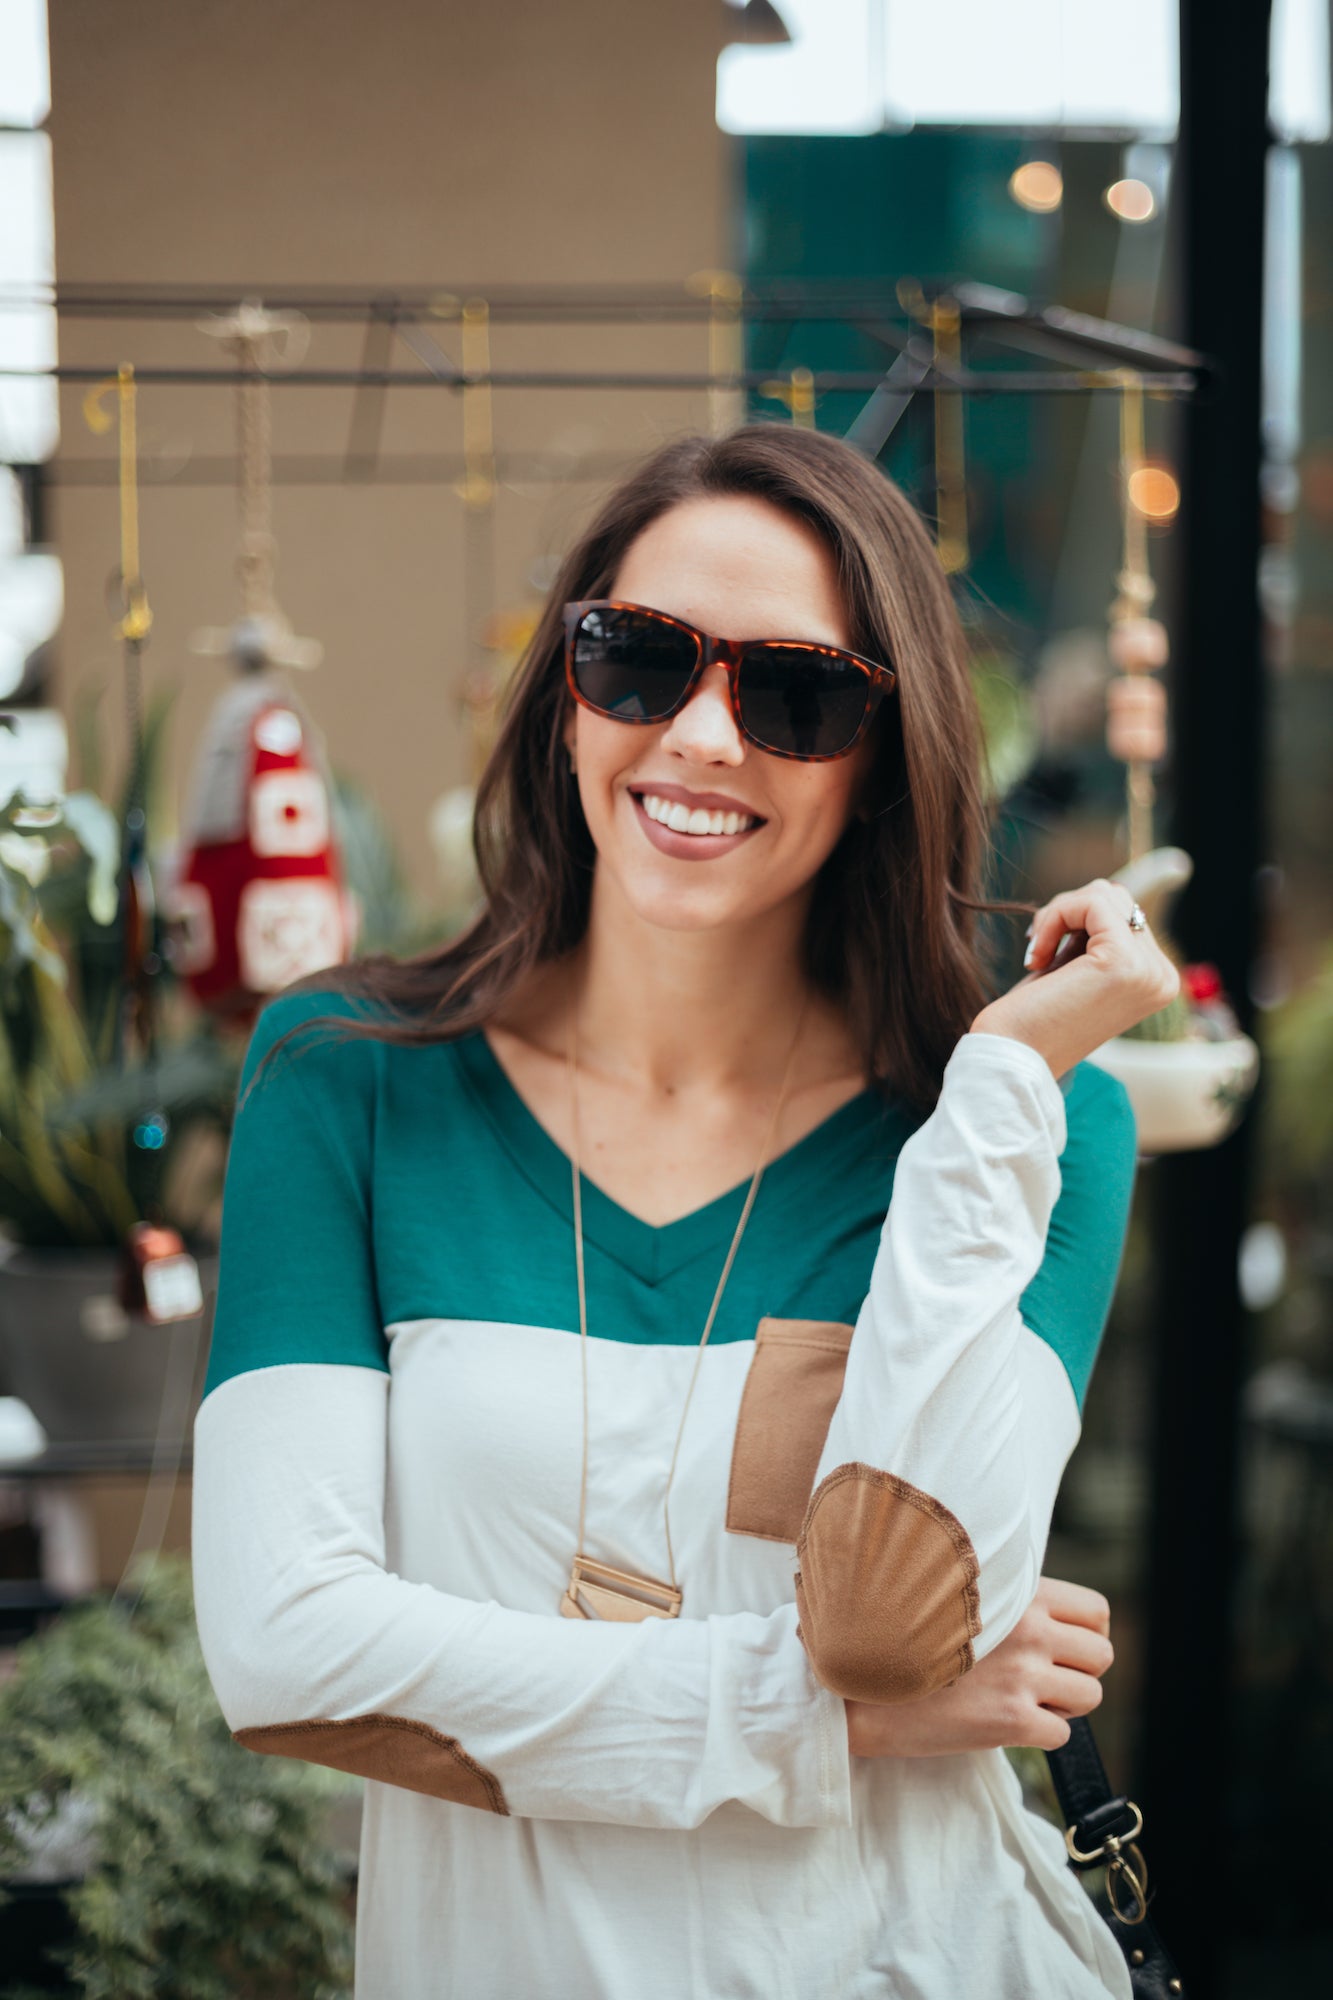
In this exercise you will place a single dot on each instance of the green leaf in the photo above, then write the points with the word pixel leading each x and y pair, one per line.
pixel 213 1877
pixel 194 1072
pixel 96 830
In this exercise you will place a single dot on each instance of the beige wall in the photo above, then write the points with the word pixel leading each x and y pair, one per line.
pixel 246 142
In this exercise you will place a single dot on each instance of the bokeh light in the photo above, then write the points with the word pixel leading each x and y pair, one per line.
pixel 1132 201
pixel 1154 491
pixel 1037 185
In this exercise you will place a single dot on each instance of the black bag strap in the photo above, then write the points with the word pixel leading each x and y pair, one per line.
pixel 1102 1830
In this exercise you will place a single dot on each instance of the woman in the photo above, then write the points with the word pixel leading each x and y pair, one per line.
pixel 781 1451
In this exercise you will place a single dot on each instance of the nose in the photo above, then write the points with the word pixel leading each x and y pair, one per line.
pixel 704 731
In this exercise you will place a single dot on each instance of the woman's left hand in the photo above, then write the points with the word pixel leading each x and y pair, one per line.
pixel 1049 1668
pixel 1091 977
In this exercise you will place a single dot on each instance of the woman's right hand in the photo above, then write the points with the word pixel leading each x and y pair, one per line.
pixel 1049 1668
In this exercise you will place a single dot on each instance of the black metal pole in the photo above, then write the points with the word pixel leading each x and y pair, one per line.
pixel 1200 1204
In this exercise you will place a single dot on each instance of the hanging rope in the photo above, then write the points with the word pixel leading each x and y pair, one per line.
pixel 478 488
pixel 134 1019
pixel 726 346
pixel 137 617
pixel 260 340
pixel 252 334
pixel 1138 644
pixel 256 553
pixel 946 328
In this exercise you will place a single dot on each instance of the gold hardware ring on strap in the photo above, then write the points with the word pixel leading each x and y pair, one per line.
pixel 1120 1874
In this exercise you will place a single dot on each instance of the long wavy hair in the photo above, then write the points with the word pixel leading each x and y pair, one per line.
pixel 892 934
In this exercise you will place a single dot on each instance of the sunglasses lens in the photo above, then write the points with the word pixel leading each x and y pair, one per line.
pixel 801 700
pixel 631 666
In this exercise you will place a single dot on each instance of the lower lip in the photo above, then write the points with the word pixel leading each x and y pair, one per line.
pixel 689 846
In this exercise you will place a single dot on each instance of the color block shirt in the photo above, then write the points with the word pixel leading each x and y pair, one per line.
pixel 386 1488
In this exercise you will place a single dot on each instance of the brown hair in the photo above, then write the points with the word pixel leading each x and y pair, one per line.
pixel 892 931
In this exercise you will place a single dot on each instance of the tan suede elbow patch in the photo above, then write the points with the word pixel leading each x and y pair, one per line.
pixel 793 1384
pixel 388 1747
pixel 886 1589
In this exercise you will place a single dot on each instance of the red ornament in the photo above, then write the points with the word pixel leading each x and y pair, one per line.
pixel 259 898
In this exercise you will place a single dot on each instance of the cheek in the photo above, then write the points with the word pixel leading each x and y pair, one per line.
pixel 604 751
pixel 815 804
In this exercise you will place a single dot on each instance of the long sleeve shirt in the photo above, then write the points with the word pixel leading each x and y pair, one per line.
pixel 386 1485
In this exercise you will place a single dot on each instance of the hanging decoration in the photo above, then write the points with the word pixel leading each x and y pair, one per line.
pixel 725 292
pixel 1189 1069
pixel 797 391
pixel 159 1278
pixel 134 1028
pixel 942 318
pixel 486 635
pixel 259 898
pixel 946 325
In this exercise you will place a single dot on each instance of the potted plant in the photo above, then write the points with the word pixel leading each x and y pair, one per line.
pixel 90 1149
pixel 153 1853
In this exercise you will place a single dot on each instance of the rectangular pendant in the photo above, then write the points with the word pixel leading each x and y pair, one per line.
pixel 596 1590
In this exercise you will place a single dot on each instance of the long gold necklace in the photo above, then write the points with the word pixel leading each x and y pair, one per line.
pixel 596 1589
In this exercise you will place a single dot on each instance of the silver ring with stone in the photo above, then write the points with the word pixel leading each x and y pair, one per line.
pixel 1137 921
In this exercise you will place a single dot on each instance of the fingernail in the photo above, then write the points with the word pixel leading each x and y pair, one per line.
pixel 1027 956
pixel 1028 931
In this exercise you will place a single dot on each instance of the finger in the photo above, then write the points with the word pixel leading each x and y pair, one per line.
pixel 1048 1731
pixel 1069 1693
pixel 1099 909
pixel 1074 1603
pixel 1044 933
pixel 1077 1646
pixel 1055 935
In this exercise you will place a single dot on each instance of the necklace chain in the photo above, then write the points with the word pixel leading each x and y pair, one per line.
pixel 577 1177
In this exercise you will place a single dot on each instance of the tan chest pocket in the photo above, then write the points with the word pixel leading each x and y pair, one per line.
pixel 794 1382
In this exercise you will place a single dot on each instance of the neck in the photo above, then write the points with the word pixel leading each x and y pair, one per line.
pixel 673 1011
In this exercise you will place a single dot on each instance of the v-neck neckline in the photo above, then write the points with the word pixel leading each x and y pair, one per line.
pixel 653 1250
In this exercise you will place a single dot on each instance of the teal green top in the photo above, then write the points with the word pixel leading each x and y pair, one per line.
pixel 369 1183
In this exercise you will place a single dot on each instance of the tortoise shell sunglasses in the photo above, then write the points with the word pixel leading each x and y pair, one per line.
pixel 790 698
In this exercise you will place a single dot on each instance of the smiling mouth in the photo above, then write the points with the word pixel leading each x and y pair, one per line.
pixel 701 821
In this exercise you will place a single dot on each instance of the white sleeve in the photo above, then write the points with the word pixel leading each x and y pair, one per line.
pixel 316 1651
pixel 924 1537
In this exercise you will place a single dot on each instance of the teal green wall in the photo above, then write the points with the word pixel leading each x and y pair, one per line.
pixel 935 205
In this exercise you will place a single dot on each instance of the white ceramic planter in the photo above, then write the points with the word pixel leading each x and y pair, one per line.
pixel 1185 1095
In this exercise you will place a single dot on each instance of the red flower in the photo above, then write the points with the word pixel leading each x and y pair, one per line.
pixel 1201 982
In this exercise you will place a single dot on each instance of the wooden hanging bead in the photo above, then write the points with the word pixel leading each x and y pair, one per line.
pixel 1136 719
pixel 1138 645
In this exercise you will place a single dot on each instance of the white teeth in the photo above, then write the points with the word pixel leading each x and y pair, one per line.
pixel 697 820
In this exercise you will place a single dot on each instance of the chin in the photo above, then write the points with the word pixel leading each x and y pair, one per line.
pixel 673 905
pixel 672 909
